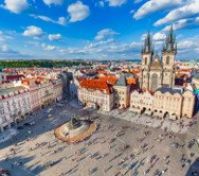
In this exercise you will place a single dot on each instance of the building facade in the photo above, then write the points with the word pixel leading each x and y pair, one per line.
pixel 17 102
pixel 96 94
pixel 164 103
pixel 121 93
pixel 14 106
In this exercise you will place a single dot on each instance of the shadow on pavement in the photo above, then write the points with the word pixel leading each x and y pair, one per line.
pixel 17 166
pixel 43 124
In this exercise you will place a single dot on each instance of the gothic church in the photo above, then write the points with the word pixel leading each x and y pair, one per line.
pixel 158 72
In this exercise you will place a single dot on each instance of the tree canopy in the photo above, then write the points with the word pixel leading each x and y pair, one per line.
pixel 40 63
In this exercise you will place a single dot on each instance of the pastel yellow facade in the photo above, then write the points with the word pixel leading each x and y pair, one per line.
pixel 174 105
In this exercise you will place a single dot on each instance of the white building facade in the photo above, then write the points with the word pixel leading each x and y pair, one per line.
pixel 17 102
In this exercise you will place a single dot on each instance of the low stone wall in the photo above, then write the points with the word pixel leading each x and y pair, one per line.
pixel 74 139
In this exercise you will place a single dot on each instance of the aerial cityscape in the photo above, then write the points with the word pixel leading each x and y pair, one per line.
pixel 99 88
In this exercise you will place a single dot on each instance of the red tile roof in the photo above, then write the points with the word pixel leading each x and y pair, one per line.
pixel 103 83
pixel 96 84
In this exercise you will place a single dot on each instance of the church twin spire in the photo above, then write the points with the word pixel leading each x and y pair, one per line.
pixel 169 45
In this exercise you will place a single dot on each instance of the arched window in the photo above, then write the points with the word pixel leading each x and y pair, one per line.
pixel 167 60
pixel 145 60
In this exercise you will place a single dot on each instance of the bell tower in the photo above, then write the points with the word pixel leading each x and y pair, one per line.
pixel 169 52
pixel 147 54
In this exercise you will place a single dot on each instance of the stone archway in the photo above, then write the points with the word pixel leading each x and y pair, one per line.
pixel 143 110
pixel 166 115
pixel 154 81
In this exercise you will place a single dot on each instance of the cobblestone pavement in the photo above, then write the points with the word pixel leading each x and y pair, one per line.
pixel 117 147
pixel 172 126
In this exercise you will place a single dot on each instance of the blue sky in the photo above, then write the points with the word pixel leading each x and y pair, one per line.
pixel 95 29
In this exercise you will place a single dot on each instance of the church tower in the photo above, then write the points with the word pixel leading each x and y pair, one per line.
pixel 147 54
pixel 168 59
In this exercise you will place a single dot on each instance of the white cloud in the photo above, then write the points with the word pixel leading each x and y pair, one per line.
pixel 184 44
pixel 183 23
pixel 108 47
pixel 189 9
pixel 189 43
pixel 61 20
pixel 4 48
pixel 105 33
pixel 154 5
pixel 55 2
pixel 101 3
pixel 137 1
pixel 78 11
pixel 188 47
pixel 15 6
pixel 33 31
pixel 115 3
pixel 53 37
pixel 197 20
pixel 5 36
pixel 159 36
pixel 48 47
pixel 41 17
pixel 1 36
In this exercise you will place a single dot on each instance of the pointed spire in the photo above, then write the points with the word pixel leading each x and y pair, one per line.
pixel 170 42
pixel 148 48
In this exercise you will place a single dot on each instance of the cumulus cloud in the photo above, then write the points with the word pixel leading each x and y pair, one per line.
pixel 108 47
pixel 55 2
pixel 60 21
pixel 154 5
pixel 115 3
pixel 104 44
pixel 159 36
pixel 33 31
pixel 187 10
pixel 15 6
pixel 78 11
pixel 53 37
pixel 105 33
pixel 48 47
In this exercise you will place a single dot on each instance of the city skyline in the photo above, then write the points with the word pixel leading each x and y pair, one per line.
pixel 59 29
